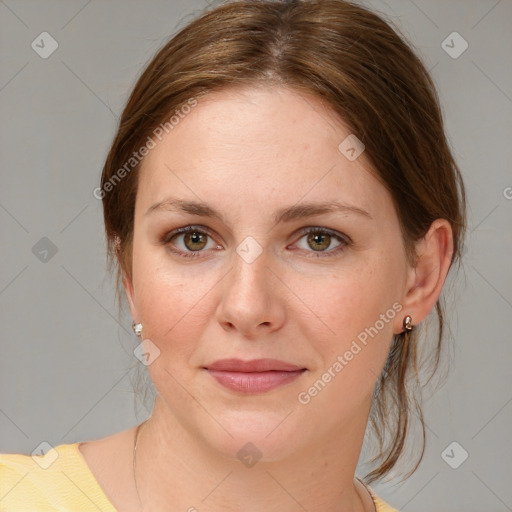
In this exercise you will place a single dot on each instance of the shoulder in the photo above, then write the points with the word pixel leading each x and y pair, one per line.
pixel 380 504
pixel 56 480
pixel 29 480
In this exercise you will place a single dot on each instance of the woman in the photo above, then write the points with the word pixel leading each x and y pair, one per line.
pixel 284 209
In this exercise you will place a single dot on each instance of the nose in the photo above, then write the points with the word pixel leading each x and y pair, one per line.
pixel 252 300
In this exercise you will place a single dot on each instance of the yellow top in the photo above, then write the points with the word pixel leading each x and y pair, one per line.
pixel 60 480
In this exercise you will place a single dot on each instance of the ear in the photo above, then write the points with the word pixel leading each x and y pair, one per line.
pixel 426 278
pixel 128 288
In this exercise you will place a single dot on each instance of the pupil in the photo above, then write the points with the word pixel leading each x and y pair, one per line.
pixel 316 239
pixel 195 238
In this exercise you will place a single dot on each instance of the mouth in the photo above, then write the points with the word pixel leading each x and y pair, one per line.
pixel 253 377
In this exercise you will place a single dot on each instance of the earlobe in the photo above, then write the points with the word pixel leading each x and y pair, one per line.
pixel 426 279
pixel 128 288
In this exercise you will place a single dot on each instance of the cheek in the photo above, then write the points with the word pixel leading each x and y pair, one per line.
pixel 175 303
pixel 352 353
pixel 167 301
pixel 354 297
pixel 354 316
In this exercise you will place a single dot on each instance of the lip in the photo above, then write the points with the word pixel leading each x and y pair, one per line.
pixel 256 376
pixel 255 365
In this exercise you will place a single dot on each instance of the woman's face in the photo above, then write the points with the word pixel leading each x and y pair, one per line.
pixel 247 287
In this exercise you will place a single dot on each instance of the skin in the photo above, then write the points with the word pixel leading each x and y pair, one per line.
pixel 248 152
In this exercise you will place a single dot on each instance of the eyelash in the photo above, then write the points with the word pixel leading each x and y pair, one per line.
pixel 344 239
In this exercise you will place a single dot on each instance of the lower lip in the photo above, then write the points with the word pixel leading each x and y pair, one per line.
pixel 254 382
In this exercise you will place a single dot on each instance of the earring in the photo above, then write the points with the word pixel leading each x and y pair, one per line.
pixel 407 323
pixel 137 329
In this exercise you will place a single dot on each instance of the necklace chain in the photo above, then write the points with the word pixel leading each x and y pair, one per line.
pixel 137 430
pixel 134 453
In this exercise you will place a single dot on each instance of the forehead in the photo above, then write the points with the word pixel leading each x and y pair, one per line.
pixel 273 144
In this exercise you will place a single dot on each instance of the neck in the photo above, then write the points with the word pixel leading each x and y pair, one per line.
pixel 173 466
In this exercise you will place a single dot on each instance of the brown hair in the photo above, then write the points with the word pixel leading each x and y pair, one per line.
pixel 373 80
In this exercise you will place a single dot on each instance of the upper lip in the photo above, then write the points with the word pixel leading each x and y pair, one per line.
pixel 255 365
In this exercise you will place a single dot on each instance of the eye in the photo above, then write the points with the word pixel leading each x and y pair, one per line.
pixel 189 241
pixel 193 241
pixel 319 239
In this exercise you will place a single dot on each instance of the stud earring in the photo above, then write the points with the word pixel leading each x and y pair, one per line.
pixel 137 329
pixel 407 323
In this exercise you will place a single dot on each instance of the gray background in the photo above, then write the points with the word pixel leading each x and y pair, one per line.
pixel 66 362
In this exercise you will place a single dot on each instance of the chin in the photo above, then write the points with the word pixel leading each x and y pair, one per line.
pixel 266 436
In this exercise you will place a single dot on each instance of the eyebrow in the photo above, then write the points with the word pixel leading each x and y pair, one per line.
pixel 287 214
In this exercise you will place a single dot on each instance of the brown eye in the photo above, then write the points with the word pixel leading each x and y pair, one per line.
pixel 188 242
pixel 195 240
pixel 319 241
